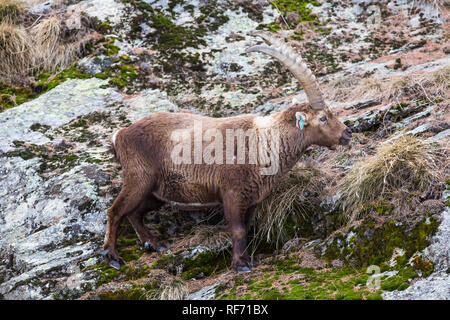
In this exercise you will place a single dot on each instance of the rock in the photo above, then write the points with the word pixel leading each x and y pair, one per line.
pixel 104 10
pixel 147 102
pixel 337 263
pixel 437 285
pixel 440 136
pixel 73 17
pixel 60 143
pixel 205 293
pixel 46 225
pixel 362 104
pixel 42 8
pixel 95 173
pixel 64 103
pixel 52 224
pixel 95 64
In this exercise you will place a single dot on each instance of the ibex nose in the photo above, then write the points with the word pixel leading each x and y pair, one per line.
pixel 348 132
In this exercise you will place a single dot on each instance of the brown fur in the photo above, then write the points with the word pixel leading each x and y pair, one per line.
pixel 150 178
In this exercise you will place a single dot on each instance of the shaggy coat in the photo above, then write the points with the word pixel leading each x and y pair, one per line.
pixel 152 176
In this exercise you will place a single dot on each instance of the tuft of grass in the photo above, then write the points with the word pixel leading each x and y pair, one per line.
pixel 210 236
pixel 10 11
pixel 51 51
pixel 439 81
pixel 435 84
pixel 294 195
pixel 174 290
pixel 405 169
pixel 398 86
pixel 16 52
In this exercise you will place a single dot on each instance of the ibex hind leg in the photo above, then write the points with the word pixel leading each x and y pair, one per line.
pixel 128 200
pixel 136 219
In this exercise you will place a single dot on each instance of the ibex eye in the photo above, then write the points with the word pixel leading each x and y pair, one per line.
pixel 323 118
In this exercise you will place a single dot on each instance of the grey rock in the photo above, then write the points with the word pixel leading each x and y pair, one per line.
pixel 205 293
pixel 55 108
pixel 437 285
pixel 51 225
pixel 42 8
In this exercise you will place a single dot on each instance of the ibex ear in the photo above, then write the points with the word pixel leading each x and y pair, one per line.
pixel 301 120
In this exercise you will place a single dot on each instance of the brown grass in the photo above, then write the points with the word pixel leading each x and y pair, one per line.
pixel 174 290
pixel 44 46
pixel 295 194
pixel 432 85
pixel 52 52
pixel 402 171
pixel 214 237
pixel 10 11
pixel 17 55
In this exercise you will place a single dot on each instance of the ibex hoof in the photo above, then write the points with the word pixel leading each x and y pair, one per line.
pixel 149 247
pixel 243 269
pixel 115 264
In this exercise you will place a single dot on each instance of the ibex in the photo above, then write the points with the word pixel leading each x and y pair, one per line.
pixel 152 176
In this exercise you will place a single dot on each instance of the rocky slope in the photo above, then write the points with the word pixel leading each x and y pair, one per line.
pixel 384 68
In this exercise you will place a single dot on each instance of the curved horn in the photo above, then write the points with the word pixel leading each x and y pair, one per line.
pixel 294 62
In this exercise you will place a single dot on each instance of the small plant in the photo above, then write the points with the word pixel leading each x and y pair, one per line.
pixel 10 11
pixel 210 236
pixel 174 290
pixel 16 52
pixel 294 195
pixel 403 170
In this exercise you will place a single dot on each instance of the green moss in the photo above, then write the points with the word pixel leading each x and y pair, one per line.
pixel 111 49
pixel 122 73
pixel 205 264
pixel 375 245
pixel 127 272
pixel 11 96
pixel 135 292
pixel 48 80
pixel 344 283
pixel 164 262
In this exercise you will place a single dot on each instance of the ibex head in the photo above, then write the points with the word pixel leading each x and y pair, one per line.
pixel 315 120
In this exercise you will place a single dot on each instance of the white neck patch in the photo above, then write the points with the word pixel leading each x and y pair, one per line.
pixel 263 122
pixel 113 139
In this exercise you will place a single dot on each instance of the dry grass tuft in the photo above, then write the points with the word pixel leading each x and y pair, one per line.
pixel 214 237
pixel 16 52
pixel 296 194
pixel 48 45
pixel 174 290
pixel 432 85
pixel 51 50
pixel 10 11
pixel 404 170
pixel 439 81
pixel 398 86
pixel 369 87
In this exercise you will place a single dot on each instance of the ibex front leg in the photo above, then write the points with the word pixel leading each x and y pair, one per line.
pixel 236 215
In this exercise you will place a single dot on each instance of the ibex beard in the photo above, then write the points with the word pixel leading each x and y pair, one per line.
pixel 194 161
pixel 252 146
